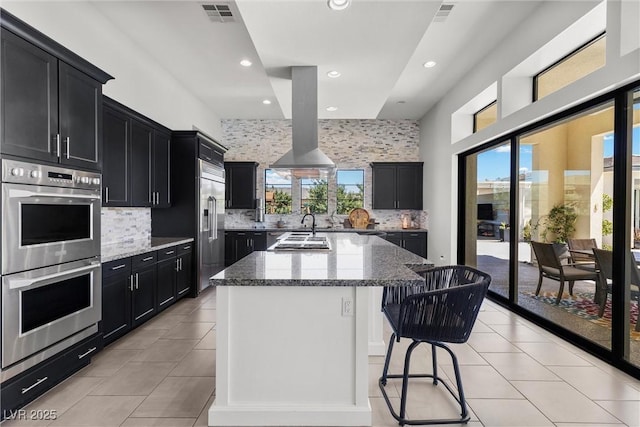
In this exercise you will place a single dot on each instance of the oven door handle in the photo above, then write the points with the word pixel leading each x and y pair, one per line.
pixel 15 283
pixel 13 194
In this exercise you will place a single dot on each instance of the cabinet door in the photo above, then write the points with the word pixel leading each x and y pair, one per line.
pixel 144 295
pixel 80 112
pixel 184 278
pixel 259 241
pixel 395 238
pixel 161 170
pixel 166 283
pixel 240 185
pixel 29 110
pixel 116 305
pixel 241 246
pixel 141 146
pixel 409 187
pixel 416 243
pixel 384 187
pixel 117 147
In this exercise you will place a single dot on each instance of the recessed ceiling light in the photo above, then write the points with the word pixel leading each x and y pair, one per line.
pixel 332 108
pixel 266 102
pixel 338 4
pixel 334 74
pixel 245 63
pixel 429 64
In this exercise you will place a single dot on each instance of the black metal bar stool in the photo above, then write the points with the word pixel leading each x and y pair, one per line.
pixel 443 310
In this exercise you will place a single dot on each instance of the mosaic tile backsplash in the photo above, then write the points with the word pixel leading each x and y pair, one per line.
pixel 125 224
pixel 351 144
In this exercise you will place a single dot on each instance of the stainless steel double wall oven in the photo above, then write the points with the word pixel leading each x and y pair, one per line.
pixel 51 274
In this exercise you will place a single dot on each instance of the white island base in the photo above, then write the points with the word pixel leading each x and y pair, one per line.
pixel 294 355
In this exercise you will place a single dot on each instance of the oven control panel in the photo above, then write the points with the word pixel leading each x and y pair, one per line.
pixel 31 173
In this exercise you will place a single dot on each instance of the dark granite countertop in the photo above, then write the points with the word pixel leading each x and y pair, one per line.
pixel 328 230
pixel 111 252
pixel 353 260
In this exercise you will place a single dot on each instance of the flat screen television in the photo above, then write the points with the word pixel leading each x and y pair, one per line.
pixel 485 211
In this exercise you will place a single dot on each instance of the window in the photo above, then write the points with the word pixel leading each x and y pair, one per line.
pixel 485 117
pixel 350 190
pixel 579 63
pixel 314 195
pixel 277 191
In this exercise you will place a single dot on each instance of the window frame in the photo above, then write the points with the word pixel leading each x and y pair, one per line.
pixel 483 109
pixel 337 184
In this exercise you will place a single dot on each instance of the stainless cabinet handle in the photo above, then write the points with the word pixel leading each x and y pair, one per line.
pixel 58 145
pixel 137 281
pixel 169 252
pixel 91 350
pixel 157 198
pixel 67 142
pixel 177 266
pixel 37 383
pixel 186 247
pixel 149 258
pixel 131 283
pixel 106 190
pixel 118 267
pixel 180 264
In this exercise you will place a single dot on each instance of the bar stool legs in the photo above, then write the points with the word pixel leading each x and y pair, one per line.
pixel 459 396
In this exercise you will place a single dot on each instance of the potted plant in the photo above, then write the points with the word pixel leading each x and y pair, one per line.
pixel 560 222
pixel 505 232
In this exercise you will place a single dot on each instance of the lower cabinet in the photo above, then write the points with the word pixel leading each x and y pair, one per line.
pixel 137 288
pixel 415 242
pixel 239 244
pixel 25 387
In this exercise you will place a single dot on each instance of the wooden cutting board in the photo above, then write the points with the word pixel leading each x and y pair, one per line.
pixel 359 218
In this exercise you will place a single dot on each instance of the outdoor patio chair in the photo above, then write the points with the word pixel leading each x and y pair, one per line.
pixel 443 310
pixel 604 262
pixel 582 260
pixel 549 266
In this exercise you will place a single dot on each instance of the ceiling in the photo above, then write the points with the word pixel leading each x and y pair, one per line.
pixel 378 46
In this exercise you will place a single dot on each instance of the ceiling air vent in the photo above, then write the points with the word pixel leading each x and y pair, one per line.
pixel 443 12
pixel 219 12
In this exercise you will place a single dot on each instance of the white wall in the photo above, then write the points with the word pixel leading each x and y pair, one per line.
pixel 436 147
pixel 140 83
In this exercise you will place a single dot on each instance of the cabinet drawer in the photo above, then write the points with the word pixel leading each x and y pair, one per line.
pixel 395 235
pixel 143 260
pixel 407 235
pixel 114 267
pixel 185 248
pixel 82 353
pixel 167 253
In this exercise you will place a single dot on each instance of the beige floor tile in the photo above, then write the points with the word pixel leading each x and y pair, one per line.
pixel 158 422
pixel 184 306
pixel 209 304
pixel 198 363
pixel 374 388
pixel 376 360
pixel 551 354
pixel 165 321
pixel 560 402
pixel 519 366
pixel 140 339
pixel 519 333
pixel 496 318
pixel 464 352
pixel 483 382
pixel 107 362
pixel 23 418
pixel 208 342
pixel 626 411
pixel 194 331
pixel 596 384
pixel 508 413
pixel 166 351
pixel 98 411
pixel 177 397
pixel 202 315
pixel 135 379
pixel 380 415
pixel 203 419
pixel 491 343
pixel 480 327
pixel 66 394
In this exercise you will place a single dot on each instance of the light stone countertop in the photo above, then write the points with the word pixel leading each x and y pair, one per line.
pixel 111 252
pixel 353 260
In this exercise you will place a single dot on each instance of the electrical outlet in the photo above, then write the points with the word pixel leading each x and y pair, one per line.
pixel 347 307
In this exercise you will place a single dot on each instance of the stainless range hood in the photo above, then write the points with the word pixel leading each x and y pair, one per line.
pixel 305 158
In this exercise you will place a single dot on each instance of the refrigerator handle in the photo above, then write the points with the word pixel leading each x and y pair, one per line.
pixel 213 218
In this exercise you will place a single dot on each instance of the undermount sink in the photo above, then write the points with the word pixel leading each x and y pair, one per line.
pixel 300 241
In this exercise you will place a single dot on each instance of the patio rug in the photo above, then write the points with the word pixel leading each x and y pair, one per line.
pixel 581 304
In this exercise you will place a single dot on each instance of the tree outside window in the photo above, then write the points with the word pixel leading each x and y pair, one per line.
pixel 350 190
pixel 314 195
pixel 277 192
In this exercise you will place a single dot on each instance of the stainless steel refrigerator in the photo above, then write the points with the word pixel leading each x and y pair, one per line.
pixel 211 213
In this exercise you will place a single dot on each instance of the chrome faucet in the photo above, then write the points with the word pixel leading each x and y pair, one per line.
pixel 313 223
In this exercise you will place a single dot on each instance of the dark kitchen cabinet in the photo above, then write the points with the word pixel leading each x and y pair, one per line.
pixel 116 299
pixel 166 283
pixel 240 184
pixel 415 242
pixel 397 185
pixel 51 108
pixel 185 273
pixel 175 274
pixel 239 244
pixel 136 159
pixel 143 304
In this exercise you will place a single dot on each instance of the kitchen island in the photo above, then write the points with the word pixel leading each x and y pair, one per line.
pixel 294 331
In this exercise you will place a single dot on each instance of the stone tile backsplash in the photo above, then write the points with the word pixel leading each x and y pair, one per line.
pixel 351 144
pixel 125 224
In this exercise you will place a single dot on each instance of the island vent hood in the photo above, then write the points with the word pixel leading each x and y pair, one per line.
pixel 305 160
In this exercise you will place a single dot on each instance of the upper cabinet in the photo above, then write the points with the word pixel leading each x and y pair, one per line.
pixel 397 185
pixel 51 103
pixel 240 184
pixel 136 159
